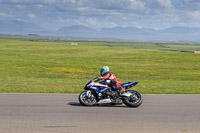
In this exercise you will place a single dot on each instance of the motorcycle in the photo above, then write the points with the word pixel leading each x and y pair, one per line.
pixel 104 92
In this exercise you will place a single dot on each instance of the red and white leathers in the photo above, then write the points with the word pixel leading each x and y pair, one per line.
pixel 110 76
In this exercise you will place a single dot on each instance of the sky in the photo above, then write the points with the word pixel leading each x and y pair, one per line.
pixel 97 14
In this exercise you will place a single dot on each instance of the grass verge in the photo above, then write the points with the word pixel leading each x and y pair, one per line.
pixel 45 67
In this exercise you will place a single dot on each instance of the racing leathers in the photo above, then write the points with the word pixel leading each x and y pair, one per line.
pixel 110 76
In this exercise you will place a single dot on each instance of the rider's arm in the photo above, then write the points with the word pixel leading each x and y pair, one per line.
pixel 101 78
pixel 105 77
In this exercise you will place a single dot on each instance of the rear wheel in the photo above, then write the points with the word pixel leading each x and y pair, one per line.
pixel 87 98
pixel 134 100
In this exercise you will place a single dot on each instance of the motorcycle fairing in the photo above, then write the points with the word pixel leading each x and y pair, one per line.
pixel 130 84
pixel 96 87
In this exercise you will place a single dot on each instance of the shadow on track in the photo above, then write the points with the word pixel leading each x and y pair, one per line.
pixel 77 104
pixel 74 104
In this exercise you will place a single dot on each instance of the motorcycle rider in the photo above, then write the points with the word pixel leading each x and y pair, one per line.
pixel 107 75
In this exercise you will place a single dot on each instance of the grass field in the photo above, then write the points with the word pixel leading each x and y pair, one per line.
pixel 45 67
pixel 152 46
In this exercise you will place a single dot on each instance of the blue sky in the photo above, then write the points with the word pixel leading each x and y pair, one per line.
pixel 53 14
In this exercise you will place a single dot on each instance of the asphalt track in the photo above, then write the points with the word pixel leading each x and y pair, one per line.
pixel 61 113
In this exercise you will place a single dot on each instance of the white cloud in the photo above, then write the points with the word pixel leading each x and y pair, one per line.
pixel 29 1
pixel 31 15
pixel 165 3
pixel 21 7
pixel 137 5
pixel 191 18
pixel 195 14
pixel 103 13
pixel 92 21
pixel 3 14
pixel 40 6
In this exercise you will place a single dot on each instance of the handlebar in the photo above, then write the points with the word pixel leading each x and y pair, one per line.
pixel 98 79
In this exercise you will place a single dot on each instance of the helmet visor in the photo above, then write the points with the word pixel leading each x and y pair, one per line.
pixel 102 72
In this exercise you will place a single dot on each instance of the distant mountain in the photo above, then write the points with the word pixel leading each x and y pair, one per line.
pixel 129 33
pixel 77 28
pixel 181 30
pixel 19 27
pixel 77 31
pixel 169 34
pixel 127 30
pixel 180 33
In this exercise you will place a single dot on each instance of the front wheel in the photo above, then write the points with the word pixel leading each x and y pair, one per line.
pixel 134 100
pixel 87 98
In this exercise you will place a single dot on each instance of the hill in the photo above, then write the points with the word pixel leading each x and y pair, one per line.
pixel 176 33
pixel 20 27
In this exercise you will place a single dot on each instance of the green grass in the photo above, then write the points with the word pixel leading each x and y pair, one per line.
pixel 153 46
pixel 45 67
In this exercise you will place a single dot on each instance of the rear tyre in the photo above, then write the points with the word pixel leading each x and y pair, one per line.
pixel 134 100
pixel 87 98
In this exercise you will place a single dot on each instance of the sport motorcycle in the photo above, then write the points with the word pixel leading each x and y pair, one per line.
pixel 98 92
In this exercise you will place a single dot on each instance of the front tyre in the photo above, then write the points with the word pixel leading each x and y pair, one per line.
pixel 87 98
pixel 134 100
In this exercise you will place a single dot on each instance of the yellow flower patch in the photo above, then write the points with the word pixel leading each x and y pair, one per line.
pixel 72 71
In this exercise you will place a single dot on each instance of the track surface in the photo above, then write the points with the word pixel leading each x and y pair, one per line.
pixel 61 113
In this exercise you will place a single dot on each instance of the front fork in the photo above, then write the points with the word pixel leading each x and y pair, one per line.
pixel 88 93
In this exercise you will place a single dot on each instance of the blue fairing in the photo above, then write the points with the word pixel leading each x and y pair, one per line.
pixel 129 84
pixel 90 82
pixel 92 88
pixel 95 88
